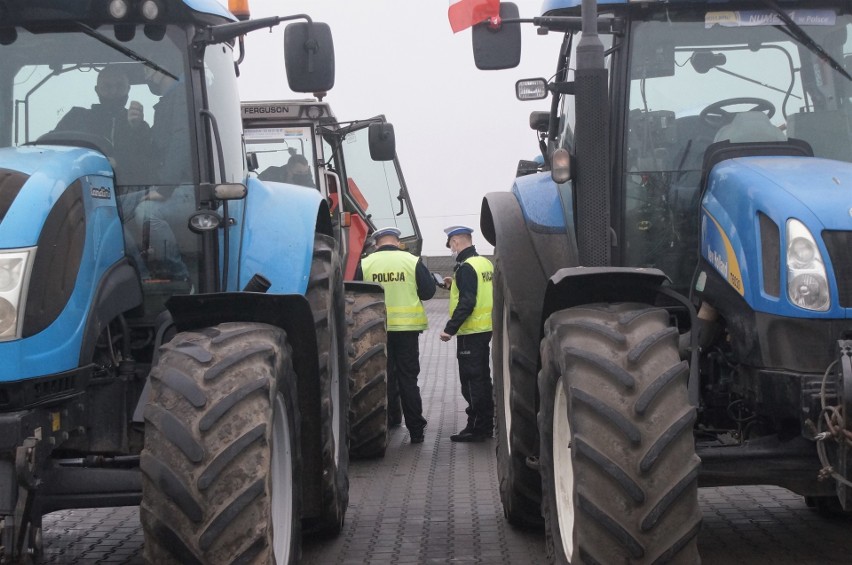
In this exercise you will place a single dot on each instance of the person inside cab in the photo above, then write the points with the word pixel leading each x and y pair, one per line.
pixel 296 171
pixel 122 126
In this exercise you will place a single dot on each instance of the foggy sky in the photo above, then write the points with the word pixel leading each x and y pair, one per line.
pixel 460 131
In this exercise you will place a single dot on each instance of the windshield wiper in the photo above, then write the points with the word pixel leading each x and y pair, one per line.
pixel 806 39
pixel 122 49
pixel 753 81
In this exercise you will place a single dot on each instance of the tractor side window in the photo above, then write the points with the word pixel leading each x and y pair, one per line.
pixel 223 100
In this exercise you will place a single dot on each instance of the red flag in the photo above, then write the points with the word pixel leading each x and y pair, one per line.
pixel 465 13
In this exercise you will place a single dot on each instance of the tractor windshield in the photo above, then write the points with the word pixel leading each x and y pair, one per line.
pixel 100 88
pixel 699 76
pixel 58 87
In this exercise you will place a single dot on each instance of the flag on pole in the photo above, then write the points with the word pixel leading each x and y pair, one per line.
pixel 465 13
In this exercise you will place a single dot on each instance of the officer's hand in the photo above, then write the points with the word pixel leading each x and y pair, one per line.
pixel 135 113
pixel 448 282
pixel 445 336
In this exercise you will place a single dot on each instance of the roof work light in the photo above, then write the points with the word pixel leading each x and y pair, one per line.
pixel 239 8
pixel 118 9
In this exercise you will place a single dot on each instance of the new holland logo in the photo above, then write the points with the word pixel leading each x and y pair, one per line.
pixel 101 192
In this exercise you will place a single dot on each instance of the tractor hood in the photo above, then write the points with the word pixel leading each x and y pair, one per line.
pixel 32 180
pixel 820 186
pixel 745 195
pixel 60 203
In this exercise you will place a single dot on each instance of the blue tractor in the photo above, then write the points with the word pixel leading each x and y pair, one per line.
pixel 673 290
pixel 172 329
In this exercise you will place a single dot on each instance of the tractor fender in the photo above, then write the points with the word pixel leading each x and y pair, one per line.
pixel 527 255
pixel 279 222
pixel 588 285
pixel 118 291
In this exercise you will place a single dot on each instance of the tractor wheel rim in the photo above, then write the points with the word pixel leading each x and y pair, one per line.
pixel 281 483
pixel 563 469
pixel 507 379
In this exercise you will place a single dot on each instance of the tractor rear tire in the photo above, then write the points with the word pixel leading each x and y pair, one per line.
pixel 221 465
pixel 514 353
pixel 325 295
pixel 618 463
pixel 368 381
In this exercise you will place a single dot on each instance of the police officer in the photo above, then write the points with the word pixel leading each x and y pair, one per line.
pixel 406 281
pixel 470 319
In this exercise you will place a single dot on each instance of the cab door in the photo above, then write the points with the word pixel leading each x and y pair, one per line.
pixel 373 190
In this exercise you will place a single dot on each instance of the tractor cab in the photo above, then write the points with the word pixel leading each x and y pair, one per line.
pixel 352 164
pixel 683 77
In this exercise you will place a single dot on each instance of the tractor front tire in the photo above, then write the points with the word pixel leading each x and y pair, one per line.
pixel 618 463
pixel 514 353
pixel 221 465
pixel 368 381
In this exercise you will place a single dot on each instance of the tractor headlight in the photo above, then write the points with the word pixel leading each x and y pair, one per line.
pixel 807 283
pixel 14 274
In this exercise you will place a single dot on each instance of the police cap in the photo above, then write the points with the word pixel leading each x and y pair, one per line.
pixel 382 232
pixel 456 230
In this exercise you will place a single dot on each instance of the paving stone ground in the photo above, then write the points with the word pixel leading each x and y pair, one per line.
pixel 438 503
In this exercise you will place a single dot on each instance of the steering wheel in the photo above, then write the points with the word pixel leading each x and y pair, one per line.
pixel 716 115
pixel 76 139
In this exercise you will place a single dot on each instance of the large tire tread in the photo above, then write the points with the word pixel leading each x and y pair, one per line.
pixel 520 485
pixel 207 457
pixel 325 295
pixel 632 448
pixel 368 381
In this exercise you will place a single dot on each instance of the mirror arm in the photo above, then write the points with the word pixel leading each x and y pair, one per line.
pixel 401 204
pixel 227 32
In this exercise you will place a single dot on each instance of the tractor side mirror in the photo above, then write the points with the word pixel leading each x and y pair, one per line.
pixel 540 121
pixel 527 168
pixel 251 161
pixel 309 57
pixel 498 48
pixel 382 142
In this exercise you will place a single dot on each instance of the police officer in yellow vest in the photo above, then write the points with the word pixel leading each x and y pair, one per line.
pixel 470 320
pixel 406 281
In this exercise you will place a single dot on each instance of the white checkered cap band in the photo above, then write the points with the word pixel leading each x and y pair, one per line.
pixel 381 232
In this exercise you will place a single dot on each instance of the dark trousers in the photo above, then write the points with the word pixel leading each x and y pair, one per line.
pixel 403 369
pixel 475 376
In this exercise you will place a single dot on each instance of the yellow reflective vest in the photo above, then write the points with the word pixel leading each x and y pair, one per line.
pixel 396 272
pixel 479 320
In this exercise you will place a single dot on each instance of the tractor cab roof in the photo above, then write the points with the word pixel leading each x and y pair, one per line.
pixel 97 12
pixel 550 6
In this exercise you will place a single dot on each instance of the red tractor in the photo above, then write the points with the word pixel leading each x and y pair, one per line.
pixel 354 166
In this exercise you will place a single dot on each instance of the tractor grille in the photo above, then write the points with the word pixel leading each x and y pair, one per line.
pixel 43 391
pixel 839 244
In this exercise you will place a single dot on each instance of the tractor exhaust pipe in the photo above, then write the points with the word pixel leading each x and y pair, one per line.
pixel 592 146
pixel 258 283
